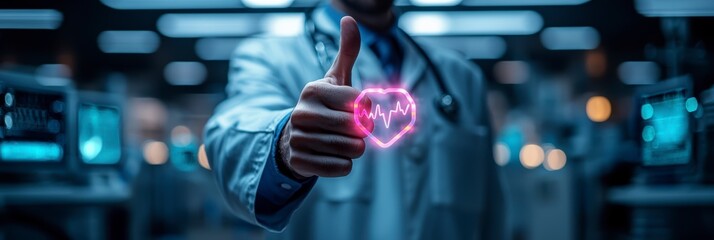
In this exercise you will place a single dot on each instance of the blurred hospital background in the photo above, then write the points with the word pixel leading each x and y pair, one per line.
pixel 602 112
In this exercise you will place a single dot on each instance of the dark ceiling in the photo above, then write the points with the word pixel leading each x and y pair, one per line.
pixel 625 36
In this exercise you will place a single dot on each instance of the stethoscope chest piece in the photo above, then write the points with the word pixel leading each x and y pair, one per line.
pixel 447 106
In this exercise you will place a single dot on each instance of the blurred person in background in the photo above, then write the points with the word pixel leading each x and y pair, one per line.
pixel 288 156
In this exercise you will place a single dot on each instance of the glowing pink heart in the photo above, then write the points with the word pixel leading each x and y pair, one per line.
pixel 385 116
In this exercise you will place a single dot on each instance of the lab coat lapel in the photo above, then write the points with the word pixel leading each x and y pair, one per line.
pixel 323 23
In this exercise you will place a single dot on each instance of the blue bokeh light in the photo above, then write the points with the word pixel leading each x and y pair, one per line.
pixel 647 111
pixel 691 104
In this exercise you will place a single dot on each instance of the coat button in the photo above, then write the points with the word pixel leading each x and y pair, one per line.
pixel 286 186
pixel 416 152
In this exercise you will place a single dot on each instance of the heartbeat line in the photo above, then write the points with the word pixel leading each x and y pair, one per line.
pixel 385 141
pixel 388 118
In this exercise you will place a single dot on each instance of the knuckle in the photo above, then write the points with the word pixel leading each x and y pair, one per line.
pixel 310 90
pixel 298 114
pixel 329 120
pixel 340 120
pixel 301 115
pixel 347 123
pixel 297 161
pixel 294 143
pixel 333 142
pixel 347 92
pixel 298 139
pixel 293 161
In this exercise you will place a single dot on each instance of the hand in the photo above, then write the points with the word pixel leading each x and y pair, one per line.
pixel 321 137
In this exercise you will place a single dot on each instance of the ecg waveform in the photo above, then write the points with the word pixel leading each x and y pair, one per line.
pixel 388 118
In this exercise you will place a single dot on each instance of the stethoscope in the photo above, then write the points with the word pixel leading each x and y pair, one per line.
pixel 444 102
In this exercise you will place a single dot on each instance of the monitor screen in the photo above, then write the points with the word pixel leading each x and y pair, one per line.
pixel 666 129
pixel 30 151
pixel 33 123
pixel 99 134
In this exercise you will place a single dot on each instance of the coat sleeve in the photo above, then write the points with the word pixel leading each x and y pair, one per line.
pixel 240 136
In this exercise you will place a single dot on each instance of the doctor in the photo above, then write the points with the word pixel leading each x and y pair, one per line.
pixel 288 158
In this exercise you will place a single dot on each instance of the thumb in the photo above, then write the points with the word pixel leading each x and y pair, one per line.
pixel 341 71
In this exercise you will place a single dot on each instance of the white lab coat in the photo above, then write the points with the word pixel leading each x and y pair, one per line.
pixel 442 175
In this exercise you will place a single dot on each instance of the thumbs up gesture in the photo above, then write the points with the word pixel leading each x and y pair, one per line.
pixel 341 71
pixel 321 137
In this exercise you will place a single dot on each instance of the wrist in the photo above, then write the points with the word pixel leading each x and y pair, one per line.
pixel 282 152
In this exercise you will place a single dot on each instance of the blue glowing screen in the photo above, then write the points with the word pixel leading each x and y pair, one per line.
pixel 665 129
pixel 29 151
pixel 99 134
pixel 183 157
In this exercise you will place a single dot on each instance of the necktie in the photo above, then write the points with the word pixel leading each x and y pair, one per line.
pixel 389 53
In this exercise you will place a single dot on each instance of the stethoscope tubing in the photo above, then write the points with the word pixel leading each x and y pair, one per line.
pixel 445 102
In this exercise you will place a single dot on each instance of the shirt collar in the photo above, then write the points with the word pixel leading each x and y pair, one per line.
pixel 368 36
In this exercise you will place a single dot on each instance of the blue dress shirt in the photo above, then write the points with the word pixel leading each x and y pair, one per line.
pixel 278 194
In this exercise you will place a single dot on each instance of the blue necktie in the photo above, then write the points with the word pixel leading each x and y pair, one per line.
pixel 389 54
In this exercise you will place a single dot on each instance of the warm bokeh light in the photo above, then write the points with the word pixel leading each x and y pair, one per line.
pixel 598 109
pixel 555 160
pixel 203 158
pixel 511 72
pixel 181 136
pixel 156 152
pixel 501 154
pixel 149 113
pixel 595 63
pixel 531 156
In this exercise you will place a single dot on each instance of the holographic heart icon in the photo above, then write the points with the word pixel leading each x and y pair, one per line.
pixel 384 116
